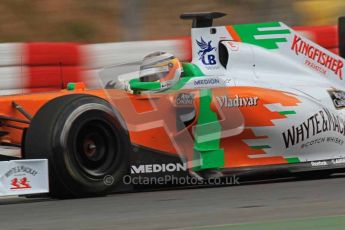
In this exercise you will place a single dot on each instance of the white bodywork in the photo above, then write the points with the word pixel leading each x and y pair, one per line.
pixel 23 177
pixel 297 66
pixel 315 128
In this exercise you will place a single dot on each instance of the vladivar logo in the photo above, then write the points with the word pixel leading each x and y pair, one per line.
pixel 237 101
pixel 205 49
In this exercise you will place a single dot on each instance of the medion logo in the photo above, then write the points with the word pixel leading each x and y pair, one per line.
pixel 155 168
pixel 211 81
pixel 308 50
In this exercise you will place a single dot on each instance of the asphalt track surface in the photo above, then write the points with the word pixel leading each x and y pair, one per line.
pixel 231 207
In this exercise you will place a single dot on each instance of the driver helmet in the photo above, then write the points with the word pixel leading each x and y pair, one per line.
pixel 160 67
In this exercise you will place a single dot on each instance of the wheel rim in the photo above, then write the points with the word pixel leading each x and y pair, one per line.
pixel 95 147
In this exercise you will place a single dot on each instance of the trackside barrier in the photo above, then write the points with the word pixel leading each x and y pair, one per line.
pixel 326 36
pixel 40 67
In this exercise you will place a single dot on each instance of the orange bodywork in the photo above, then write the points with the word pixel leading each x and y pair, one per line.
pixel 152 121
pixel 31 103
pixel 135 110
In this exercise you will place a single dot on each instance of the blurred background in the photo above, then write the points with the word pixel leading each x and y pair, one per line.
pixel 91 21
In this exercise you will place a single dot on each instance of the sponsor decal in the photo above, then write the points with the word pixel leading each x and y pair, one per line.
pixel 318 163
pixel 322 121
pixel 315 67
pixel 338 98
pixel 302 47
pixel 19 177
pixel 19 170
pixel 156 168
pixel 209 81
pixel 338 161
pixel 185 99
pixel 20 183
pixel 205 49
pixel 320 140
pixel 237 101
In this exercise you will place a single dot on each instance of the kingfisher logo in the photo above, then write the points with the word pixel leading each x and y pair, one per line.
pixel 205 48
pixel 317 55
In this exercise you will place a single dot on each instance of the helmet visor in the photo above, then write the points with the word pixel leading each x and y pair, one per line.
pixel 153 74
pixel 153 77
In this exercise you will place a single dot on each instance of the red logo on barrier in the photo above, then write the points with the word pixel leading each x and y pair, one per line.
pixel 20 183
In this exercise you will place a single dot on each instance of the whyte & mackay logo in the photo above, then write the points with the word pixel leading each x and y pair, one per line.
pixel 321 122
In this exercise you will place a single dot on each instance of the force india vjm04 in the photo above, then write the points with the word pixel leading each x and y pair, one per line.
pixel 256 98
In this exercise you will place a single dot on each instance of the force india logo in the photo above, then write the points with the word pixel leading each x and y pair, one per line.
pixel 338 98
pixel 308 50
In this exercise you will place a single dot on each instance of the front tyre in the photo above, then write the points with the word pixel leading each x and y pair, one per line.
pixel 85 142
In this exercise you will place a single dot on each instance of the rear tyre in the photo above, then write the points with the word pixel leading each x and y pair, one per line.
pixel 85 142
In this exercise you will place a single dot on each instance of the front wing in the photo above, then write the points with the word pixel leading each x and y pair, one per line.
pixel 22 177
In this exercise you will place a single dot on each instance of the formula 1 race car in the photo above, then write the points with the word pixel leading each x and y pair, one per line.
pixel 256 98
